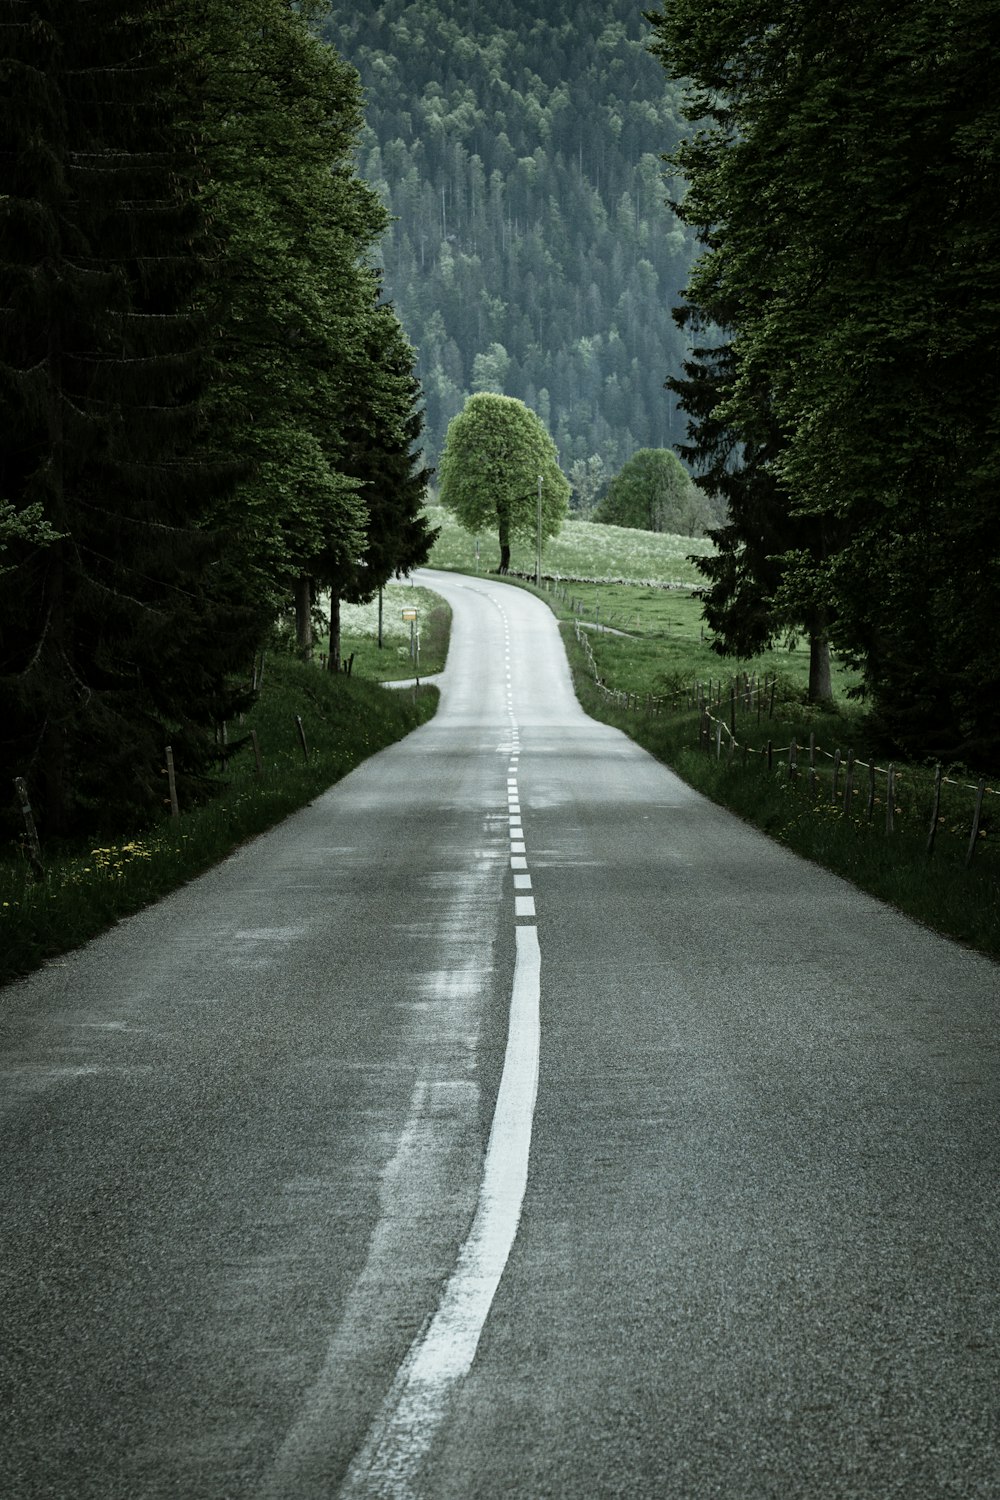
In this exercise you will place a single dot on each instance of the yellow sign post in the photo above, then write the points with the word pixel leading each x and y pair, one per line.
pixel 411 615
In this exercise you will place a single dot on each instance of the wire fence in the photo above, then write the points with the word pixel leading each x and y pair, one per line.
pixel 726 713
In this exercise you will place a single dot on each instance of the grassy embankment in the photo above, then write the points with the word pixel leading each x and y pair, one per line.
pixel 87 888
pixel 665 646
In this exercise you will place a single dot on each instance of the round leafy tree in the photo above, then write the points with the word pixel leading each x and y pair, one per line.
pixel 495 453
pixel 653 492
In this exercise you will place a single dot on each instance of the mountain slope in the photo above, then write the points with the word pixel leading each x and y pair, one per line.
pixel 533 251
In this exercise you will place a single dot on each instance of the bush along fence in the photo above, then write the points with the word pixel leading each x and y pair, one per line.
pixel 890 792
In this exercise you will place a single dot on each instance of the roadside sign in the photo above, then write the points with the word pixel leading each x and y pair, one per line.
pixel 409 614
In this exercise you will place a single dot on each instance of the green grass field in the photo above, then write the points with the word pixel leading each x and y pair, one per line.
pixel 392 661
pixel 581 550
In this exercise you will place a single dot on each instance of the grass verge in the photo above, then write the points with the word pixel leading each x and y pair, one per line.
pixel 86 889
pixel 943 892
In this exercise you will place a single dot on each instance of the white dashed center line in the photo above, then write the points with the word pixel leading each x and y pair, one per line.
pixel 399 1439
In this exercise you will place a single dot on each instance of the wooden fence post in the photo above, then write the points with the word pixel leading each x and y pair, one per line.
pixel 793 761
pixel 770 709
pixel 718 739
pixel 890 799
pixel 770 756
pixel 302 736
pixel 34 847
pixel 256 751
pixel 935 809
pixel 849 782
pixel 976 819
pixel 812 759
pixel 871 791
pixel 836 775
pixel 732 710
pixel 175 810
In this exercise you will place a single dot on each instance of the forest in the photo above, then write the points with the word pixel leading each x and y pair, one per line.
pixel 208 409
pixel 518 148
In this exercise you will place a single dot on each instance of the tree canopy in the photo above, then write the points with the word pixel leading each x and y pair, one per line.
pixel 112 618
pixel 844 182
pixel 498 460
pixel 654 492
pixel 203 398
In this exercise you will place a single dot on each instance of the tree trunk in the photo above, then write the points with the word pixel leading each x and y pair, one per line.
pixel 303 616
pixel 56 646
pixel 333 661
pixel 504 542
pixel 820 685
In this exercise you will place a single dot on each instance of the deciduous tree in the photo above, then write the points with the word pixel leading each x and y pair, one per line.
pixel 497 458
pixel 844 190
pixel 654 492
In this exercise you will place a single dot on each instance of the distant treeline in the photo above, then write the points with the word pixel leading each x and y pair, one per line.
pixel 518 147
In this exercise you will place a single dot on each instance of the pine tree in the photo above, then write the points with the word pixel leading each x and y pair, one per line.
pixel 381 426
pixel 845 191
pixel 114 636
pixel 298 224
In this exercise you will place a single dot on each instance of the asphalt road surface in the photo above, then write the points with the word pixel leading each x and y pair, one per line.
pixel 511 1122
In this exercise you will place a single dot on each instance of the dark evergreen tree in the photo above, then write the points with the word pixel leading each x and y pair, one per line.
pixel 283 118
pixel 115 635
pixel 381 426
pixel 846 190
pixel 518 153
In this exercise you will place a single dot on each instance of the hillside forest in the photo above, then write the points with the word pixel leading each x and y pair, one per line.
pixel 518 148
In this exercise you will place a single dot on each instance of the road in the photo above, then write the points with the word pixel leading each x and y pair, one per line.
pixel 509 1122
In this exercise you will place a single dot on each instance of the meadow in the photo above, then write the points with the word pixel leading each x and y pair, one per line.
pixel 648 633
pixel 582 549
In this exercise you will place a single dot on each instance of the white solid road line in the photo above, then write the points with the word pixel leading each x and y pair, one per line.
pixel 401 1435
